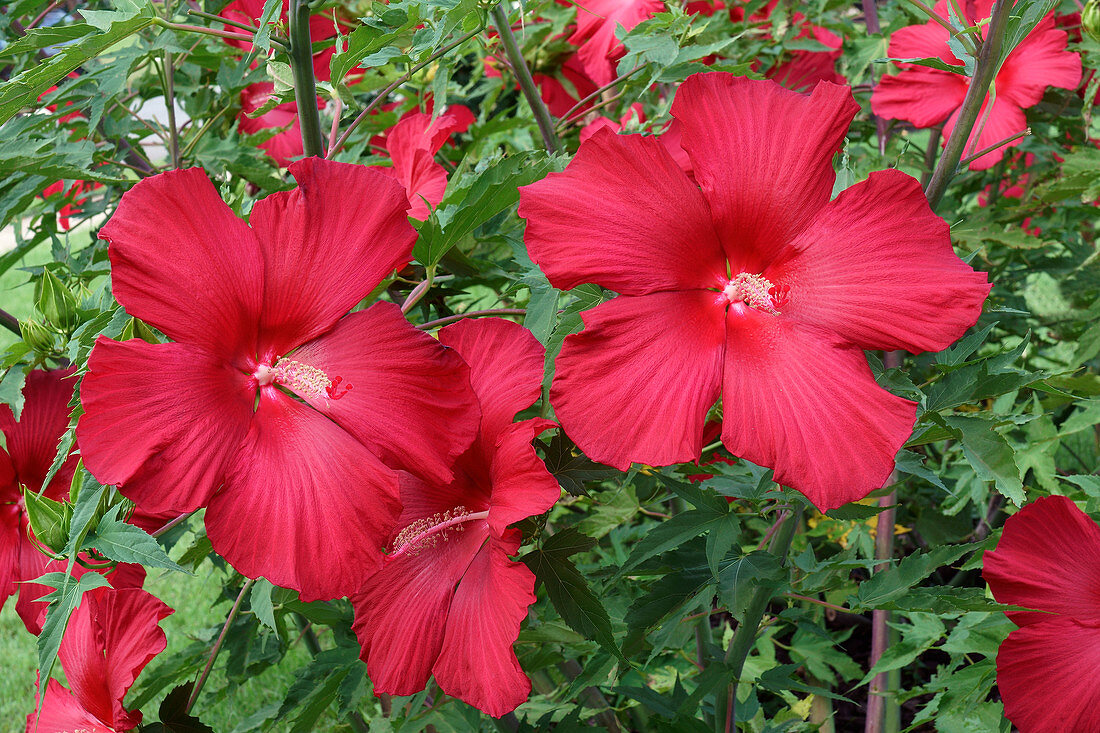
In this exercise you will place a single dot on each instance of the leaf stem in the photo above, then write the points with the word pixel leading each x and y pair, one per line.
pixel 217 646
pixel 563 122
pixel 185 28
pixel 305 83
pixel 971 158
pixel 10 322
pixel 471 314
pixel 526 83
pixel 170 103
pixel 985 70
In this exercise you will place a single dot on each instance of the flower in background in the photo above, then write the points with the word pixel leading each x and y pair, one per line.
pixel 286 144
pixel 448 600
pixel 597 20
pixel 757 289
pixel 1048 559
pixel 412 144
pixel 926 97
pixel 272 408
pixel 110 638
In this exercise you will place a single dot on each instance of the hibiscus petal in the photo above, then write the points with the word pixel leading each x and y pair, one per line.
pixel 636 384
pixel 33 565
pixel 32 442
pixel 763 156
pixel 802 401
pixel 522 487
pixel 1041 60
pixel 110 638
pixel 1002 122
pixel 923 96
pixel 1047 559
pixel 182 261
pixel 477 663
pixel 11 531
pixel 928 40
pixel 605 219
pixel 62 712
pixel 409 399
pixel 1047 677
pixel 305 505
pixel 506 365
pixel 400 614
pixel 163 421
pixel 326 245
pixel 597 22
pixel 876 266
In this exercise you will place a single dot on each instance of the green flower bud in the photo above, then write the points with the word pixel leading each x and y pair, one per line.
pixel 49 520
pixel 56 302
pixel 36 335
pixel 1090 19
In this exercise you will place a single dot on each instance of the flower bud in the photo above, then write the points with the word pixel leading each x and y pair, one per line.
pixel 1090 19
pixel 37 336
pixel 56 302
pixel 49 520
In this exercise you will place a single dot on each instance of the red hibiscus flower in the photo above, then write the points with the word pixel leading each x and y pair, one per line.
pixel 76 195
pixel 110 638
pixel 1048 559
pixel 449 601
pixel 412 144
pixel 757 289
pixel 597 20
pixel 31 447
pixel 295 489
pixel 927 97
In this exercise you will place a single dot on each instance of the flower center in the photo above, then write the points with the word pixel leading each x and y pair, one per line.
pixel 429 531
pixel 756 291
pixel 302 379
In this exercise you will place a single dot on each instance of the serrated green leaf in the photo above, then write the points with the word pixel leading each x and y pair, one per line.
pixel 126 543
pixel 990 455
pixel 889 585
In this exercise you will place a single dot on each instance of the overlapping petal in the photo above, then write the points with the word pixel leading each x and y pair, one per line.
pixel 62 713
pixel 1041 60
pixel 925 97
pixel 183 262
pixel 305 505
pixel 763 157
pixel 409 398
pixel 476 662
pixel 163 421
pixel 636 384
pixel 606 219
pixel 326 245
pixel 802 401
pixel 522 487
pixel 876 266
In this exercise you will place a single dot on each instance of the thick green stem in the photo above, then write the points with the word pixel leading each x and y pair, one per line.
pixel 526 83
pixel 305 85
pixel 725 718
pixel 985 70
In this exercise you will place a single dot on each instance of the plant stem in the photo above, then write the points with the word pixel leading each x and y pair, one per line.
pixel 171 524
pixel 185 28
pixel 170 103
pixel 419 291
pixel 598 92
pixel 305 85
pixel 217 646
pixel 725 718
pixel 381 96
pixel 526 83
pixel 472 314
pixel 10 322
pixel 985 70
pixel 930 155
pixel 971 158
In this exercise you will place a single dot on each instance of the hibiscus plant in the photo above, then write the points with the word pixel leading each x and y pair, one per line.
pixel 461 365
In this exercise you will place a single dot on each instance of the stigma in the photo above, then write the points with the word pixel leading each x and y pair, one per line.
pixel 756 291
pixel 302 379
pixel 430 531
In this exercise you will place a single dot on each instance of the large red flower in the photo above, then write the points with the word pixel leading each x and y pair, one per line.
pixel 110 638
pixel 1048 559
pixel 757 289
pixel 412 144
pixel 449 601
pixel 927 96
pixel 295 489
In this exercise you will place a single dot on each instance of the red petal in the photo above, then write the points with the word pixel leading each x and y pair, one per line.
pixel 597 21
pixel 477 663
pixel 506 366
pixel 182 261
pixel 32 442
pixel 11 536
pixel 1047 559
pixel 33 565
pixel 110 638
pixel 409 399
pixel 636 384
pixel 763 156
pixel 162 420
pixel 876 266
pixel 1041 60
pixel 522 487
pixel 1005 120
pixel 802 401
pixel 62 713
pixel 1047 677
pixel 326 245
pixel 401 613
pixel 925 97
pixel 305 505
pixel 284 146
pixel 928 40
pixel 605 219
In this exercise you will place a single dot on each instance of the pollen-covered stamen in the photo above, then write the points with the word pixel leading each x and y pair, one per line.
pixel 757 292
pixel 304 380
pixel 429 531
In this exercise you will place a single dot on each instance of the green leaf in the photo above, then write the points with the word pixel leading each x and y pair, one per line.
pixel 174 717
pixel 932 63
pixel 856 512
pixel 11 390
pixel 990 455
pixel 672 533
pixel 887 586
pixel 260 601
pixel 126 543
pixel 738 581
pixel 573 469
